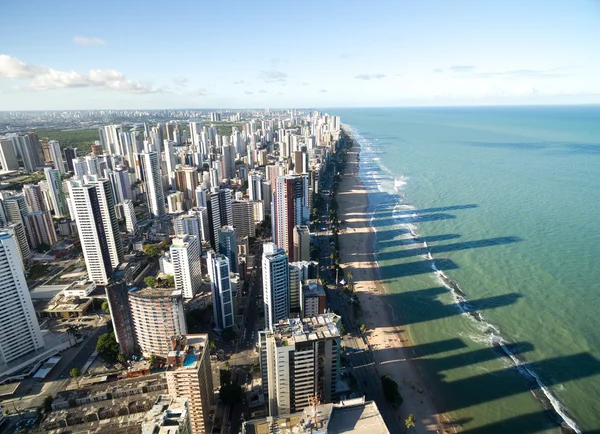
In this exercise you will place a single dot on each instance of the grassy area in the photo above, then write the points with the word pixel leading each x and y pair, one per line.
pixel 81 139
pixel 38 270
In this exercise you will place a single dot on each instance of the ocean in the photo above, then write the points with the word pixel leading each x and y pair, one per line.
pixel 487 242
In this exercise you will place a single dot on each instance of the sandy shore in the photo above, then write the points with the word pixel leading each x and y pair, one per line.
pixel 390 343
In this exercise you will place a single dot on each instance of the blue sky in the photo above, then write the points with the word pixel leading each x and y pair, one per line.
pixel 217 54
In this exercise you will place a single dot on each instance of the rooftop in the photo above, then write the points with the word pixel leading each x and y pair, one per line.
pixel 307 329
pixel 155 292
pixel 313 287
pixel 186 351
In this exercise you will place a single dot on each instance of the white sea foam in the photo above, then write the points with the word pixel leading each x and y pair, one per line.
pixel 490 334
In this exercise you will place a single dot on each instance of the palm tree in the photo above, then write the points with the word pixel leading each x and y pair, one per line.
pixel 350 281
pixel 73 330
pixel 409 422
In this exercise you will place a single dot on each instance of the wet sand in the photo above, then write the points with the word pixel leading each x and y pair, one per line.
pixel 390 343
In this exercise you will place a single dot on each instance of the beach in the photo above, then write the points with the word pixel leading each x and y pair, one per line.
pixel 390 344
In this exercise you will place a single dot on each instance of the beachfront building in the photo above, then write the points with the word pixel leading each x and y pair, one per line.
pixel 276 284
pixel 300 359
pixel 189 375
pixel 314 301
pixel 291 208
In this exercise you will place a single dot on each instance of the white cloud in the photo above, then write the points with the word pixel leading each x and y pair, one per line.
pixel 181 81
pixel 323 91
pixel 11 67
pixel 43 78
pixel 199 92
pixel 273 76
pixel 90 42
pixel 247 92
pixel 369 76
pixel 239 82
pixel 262 91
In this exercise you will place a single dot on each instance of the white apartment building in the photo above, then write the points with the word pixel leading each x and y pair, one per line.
pixel 19 329
pixel 94 212
pixel 243 218
pixel 187 268
pixel 300 359
pixel 130 218
pixel 276 285
pixel 154 188
pixel 157 315
pixel 299 272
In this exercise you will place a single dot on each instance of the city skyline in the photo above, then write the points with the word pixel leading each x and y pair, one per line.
pixel 387 54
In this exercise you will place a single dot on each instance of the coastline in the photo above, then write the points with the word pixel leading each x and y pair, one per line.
pixel 390 344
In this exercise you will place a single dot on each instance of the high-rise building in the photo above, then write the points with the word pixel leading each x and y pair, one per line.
pixel 276 284
pixel 34 198
pixel 314 300
pixel 301 245
pixel 299 272
pixel 189 375
pixel 15 210
pixel 130 218
pixel 154 189
pixel 228 161
pixel 29 148
pixel 255 180
pixel 290 208
pixel 219 215
pixel 8 158
pixel 186 180
pixel 110 137
pixel 121 183
pixel 157 315
pixel 187 268
pixel 19 330
pixel 56 192
pixel 70 155
pixel 228 246
pixel 117 295
pixel 17 230
pixel 94 208
pixel 220 284
pixel 80 167
pixel 195 223
pixel 42 228
pixel 243 218
pixel 300 359
pixel 56 154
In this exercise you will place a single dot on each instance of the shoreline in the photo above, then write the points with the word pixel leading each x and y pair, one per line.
pixel 390 344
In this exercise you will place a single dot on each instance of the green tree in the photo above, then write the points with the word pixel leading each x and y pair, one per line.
pixel 154 361
pixel 75 374
pixel 152 250
pixel 212 345
pixel 107 346
pixel 390 390
pixel 73 330
pixel 363 328
pixel 122 359
pixel 409 422
pixel 106 307
pixel 43 247
pixel 169 281
pixel 150 281
pixel 229 334
pixel 47 404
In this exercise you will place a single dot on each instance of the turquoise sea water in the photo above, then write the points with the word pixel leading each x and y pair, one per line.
pixel 505 203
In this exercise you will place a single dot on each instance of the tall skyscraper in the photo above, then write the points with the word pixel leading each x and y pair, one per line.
pixel 15 209
pixel 154 189
pixel 243 218
pixel 42 228
pixel 299 272
pixel 157 315
pixel 300 359
pixel 276 284
pixel 195 223
pixel 8 158
pixel 34 197
pixel 186 179
pixel 121 183
pixel 290 208
pixel 19 330
pixel 220 284
pixel 255 180
pixel 219 215
pixel 228 246
pixel 187 268
pixel 189 375
pixel 117 295
pixel 70 155
pixel 56 154
pixel 17 230
pixel 130 218
pixel 56 191
pixel 94 208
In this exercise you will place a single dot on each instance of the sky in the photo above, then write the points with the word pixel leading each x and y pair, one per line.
pixel 73 54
